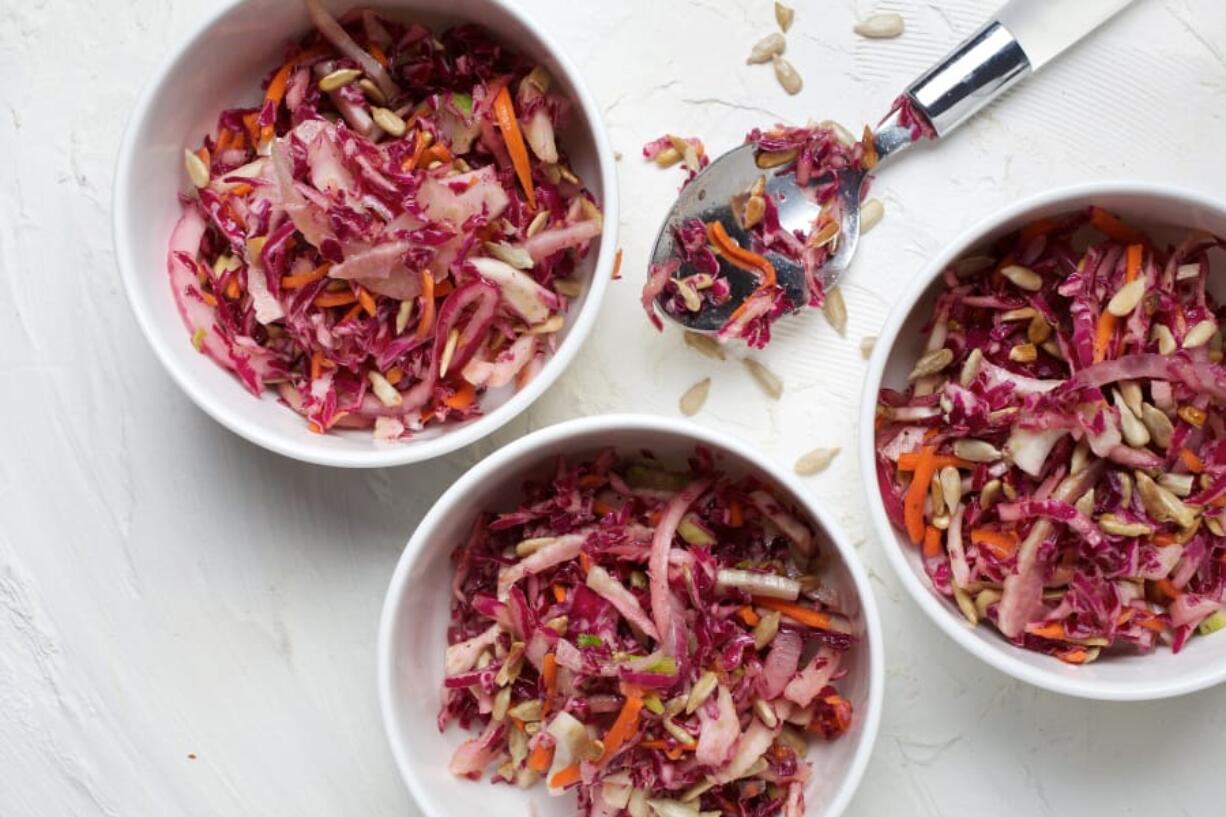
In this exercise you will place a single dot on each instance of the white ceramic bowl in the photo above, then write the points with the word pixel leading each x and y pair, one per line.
pixel 412 631
pixel 219 66
pixel 1202 662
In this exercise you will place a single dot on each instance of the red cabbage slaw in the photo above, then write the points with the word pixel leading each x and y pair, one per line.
pixel 658 641
pixel 393 232
pixel 1060 451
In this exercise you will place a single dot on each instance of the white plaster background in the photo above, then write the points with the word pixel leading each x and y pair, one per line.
pixel 166 588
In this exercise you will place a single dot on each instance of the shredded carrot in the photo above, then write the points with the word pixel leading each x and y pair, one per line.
pixel 342 298
pixel 317 364
pixel 541 756
pixel 420 140
pixel 740 257
pixel 1132 265
pixel 241 189
pixel 1053 631
pixel 747 615
pixel 1035 229
pixel 426 322
pixel 559 593
pixel 908 461
pixel 299 281
pixel 1191 461
pixel 314 427
pixel 585 563
pixel 932 542
pixel 565 777
pixel 367 301
pixel 1218 502
pixel 617 265
pixel 232 289
pixel 394 375
pixel 1077 655
pixel 673 752
pixel 805 615
pixel 549 673
pixel 624 727
pixel 209 298
pixel 1151 622
pixel 602 508
pixel 224 139
pixel 351 313
pixel 1114 229
pixel 591 481
pixel 1162 540
pixel 462 398
pixel 913 503
pixel 736 514
pixel 1002 544
pixel 251 123
pixel 1103 333
pixel 436 153
pixel 377 53
pixel 443 288
pixel 1167 588
pixel 203 154
pixel 504 112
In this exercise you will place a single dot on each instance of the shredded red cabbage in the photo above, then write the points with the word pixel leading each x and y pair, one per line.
pixel 1060 450
pixel 647 637
pixel 364 240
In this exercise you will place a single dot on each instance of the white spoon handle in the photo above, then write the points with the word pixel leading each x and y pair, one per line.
pixel 1047 28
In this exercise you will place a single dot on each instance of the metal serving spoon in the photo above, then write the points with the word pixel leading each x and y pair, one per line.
pixel 1022 37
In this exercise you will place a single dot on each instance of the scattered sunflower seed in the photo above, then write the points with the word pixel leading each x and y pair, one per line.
pixel 339 79
pixel 931 363
pixel 1110 523
pixel 1166 340
pixel 448 350
pixel 701 690
pixel 1180 485
pixel 835 310
pixel 880 26
pixel 1192 415
pixel 1023 277
pixel 1199 334
pixel 970 369
pixel 1039 330
pixel 787 75
pixel 768 159
pixel 965 605
pixel 372 91
pixel 704 344
pixel 694 397
pixel 815 461
pixel 1127 297
pixel 971 264
pixel 549 326
pixel 384 390
pixel 537 224
pixel 1161 504
pixel 1086 503
pixel 568 287
pixel 784 15
pixel 985 599
pixel 871 214
pixel 392 124
pixel 841 133
pixel 767 48
pixel 1130 391
pixel 866 346
pixel 1024 313
pixel 989 493
pixel 198 339
pixel 1024 353
pixel 768 380
pixel 402 316
pixel 197 170
pixel 1135 432
pixel 517 257
pixel 951 487
pixel 668 157
pixel 976 450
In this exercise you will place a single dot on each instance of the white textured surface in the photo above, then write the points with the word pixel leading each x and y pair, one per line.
pixel 167 589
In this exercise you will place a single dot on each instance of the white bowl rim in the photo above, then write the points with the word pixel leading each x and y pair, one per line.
pixel 1000 655
pixel 410 451
pixel 570 429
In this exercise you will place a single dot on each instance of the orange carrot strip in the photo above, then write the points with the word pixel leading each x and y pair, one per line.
pixel 224 139
pixel 443 288
pixel 913 503
pixel 351 313
pixel 591 481
pixel 435 153
pixel 559 593
pixel 394 375
pixel 585 562
pixel 377 53
pixel 565 777
pixel 740 257
pixel 299 281
pixel 1077 655
pixel 908 461
pixel 1035 229
pixel 1003 544
pixel 1053 631
pixel 1162 540
pixel 426 321
pixel 232 290
pixel 1132 264
pixel 1102 335
pixel 747 615
pixel 1167 588
pixel 241 189
pixel 504 112
pixel 602 508
pixel 1191 461
pixel 209 298
pixel 1218 502
pixel 805 615
pixel 932 542
pixel 736 514
pixel 462 398
pixel 317 364
pixel 624 727
pixel 617 265
pixel 367 301
pixel 342 298
pixel 1114 229
pixel 541 757
pixel 549 673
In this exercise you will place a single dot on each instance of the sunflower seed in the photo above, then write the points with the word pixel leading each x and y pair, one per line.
pixel 766 48
pixel 1180 485
pixel 766 629
pixel 1080 458
pixel 970 369
pixel 1187 272
pixel 866 346
pixel 695 396
pixel 1039 330
pixel 685 288
pixel 680 735
pixel 1127 297
pixel 880 26
pixel 986 599
pixel 787 75
pixel 448 350
pixel 704 344
pixel 384 390
pixel 568 287
pixel 1192 415
pixel 1085 503
pixel 951 487
pixel 768 159
pixel 1215 526
pixel 931 363
pixel 965 605
pixel 1161 504
pixel 689 795
pixel 755 211
pixel 1009 491
pixel 1135 432
pixel 372 91
pixel 668 157
pixel 392 124
pixel 1166 340
pixel 871 213
pixel 1161 429
pixel 835 310
pixel 1023 277
pixel 768 380
pixel 989 493
pixel 1130 390
pixel 765 713
pixel 402 316
pixel 1110 523
pixel 538 223
pixel 517 257
pixel 976 450
pixel 1125 490
pixel 784 16
pixel 815 461
pixel 549 326
pixel 198 338
pixel 1024 353
pixel 971 264
pixel 702 689
pixel 841 133
pixel 540 78
pixel 1024 313
pixel 197 170
pixel 1199 334
pixel 339 79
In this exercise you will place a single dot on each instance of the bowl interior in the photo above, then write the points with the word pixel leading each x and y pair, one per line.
pixel 1165 214
pixel 222 68
pixel 417 613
